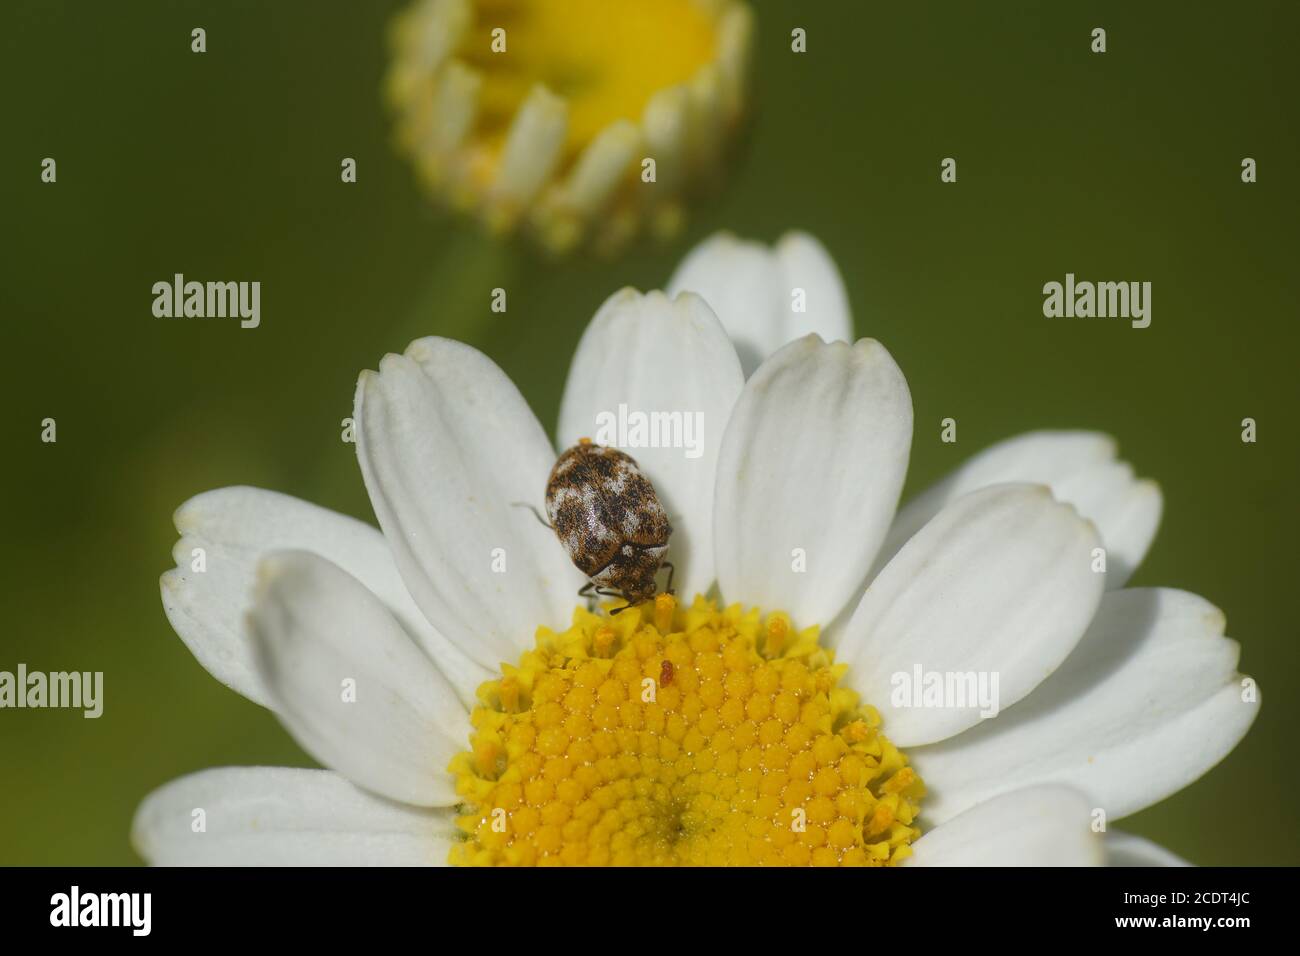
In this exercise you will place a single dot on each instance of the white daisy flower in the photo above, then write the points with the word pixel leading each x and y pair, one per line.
pixel 469 713
pixel 544 115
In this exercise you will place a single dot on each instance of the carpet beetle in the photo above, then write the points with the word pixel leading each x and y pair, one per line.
pixel 606 514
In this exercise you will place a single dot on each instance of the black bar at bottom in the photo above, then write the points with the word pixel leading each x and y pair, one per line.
pixel 440 905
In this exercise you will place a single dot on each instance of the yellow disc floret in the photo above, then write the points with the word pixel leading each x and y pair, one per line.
pixel 670 736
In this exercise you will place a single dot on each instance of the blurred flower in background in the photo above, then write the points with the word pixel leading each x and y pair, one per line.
pixel 577 121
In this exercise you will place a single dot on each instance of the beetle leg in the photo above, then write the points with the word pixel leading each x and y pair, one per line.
pixel 671 569
pixel 592 589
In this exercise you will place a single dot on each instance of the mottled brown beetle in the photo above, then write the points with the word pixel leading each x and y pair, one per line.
pixel 606 514
pixel 666 673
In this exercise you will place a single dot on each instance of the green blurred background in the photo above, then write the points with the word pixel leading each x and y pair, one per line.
pixel 226 165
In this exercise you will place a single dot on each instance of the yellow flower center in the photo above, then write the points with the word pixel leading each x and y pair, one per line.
pixel 672 736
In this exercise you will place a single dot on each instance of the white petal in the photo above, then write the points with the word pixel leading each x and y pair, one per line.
pixel 348 683
pixel 277 816
pixel 664 123
pixel 232 529
pixel 742 286
pixel 1125 509
pixel 645 354
pixel 1148 702
pixel 447 447
pixel 452 110
pixel 999 584
pixel 1125 849
pixel 807 266
pixel 601 168
pixel 532 149
pixel 811 468
pixel 1081 468
pixel 1037 826
pixel 425 35
pixel 735 54
pixel 765 297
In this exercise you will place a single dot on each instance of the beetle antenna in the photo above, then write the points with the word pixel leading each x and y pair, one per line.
pixel 536 513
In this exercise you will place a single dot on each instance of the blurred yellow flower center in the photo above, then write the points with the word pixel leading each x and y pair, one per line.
pixel 606 59
pixel 670 736
pixel 578 120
